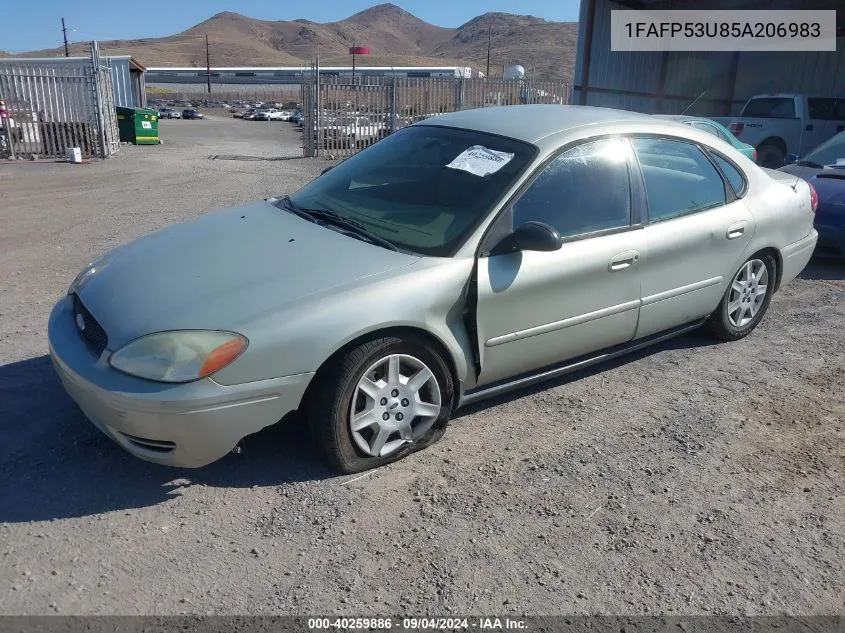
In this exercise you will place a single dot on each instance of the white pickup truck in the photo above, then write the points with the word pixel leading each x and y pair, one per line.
pixel 781 124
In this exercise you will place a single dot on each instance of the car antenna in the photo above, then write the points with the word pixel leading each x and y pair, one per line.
pixel 798 177
pixel 694 101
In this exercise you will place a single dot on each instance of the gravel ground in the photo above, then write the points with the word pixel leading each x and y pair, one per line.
pixel 692 478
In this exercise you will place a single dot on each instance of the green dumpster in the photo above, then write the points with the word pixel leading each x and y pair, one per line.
pixel 138 125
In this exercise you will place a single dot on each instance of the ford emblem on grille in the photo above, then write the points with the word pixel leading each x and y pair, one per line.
pixel 80 321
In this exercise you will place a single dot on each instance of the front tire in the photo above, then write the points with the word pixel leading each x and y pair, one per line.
pixel 746 300
pixel 380 402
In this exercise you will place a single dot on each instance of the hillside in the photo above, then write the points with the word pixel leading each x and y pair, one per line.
pixel 395 37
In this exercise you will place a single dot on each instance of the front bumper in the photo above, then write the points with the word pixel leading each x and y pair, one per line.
pixel 187 425
pixel 795 256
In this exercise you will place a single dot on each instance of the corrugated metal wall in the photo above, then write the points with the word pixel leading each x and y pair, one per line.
pixel 632 80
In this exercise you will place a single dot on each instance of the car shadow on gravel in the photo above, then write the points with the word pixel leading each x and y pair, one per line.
pixel 825 269
pixel 54 464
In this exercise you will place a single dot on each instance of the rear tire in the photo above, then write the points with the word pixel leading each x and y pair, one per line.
pixel 383 400
pixel 770 155
pixel 746 300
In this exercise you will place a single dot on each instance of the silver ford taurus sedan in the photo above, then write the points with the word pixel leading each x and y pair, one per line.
pixel 460 257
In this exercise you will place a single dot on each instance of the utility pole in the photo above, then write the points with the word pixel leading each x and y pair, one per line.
pixel 207 64
pixel 488 51
pixel 64 32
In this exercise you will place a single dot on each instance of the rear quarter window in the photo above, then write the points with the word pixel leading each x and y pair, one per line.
pixel 732 173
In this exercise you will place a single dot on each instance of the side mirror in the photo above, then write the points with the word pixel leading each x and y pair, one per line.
pixel 790 159
pixel 531 236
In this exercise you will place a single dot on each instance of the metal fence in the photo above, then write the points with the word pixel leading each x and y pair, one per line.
pixel 55 107
pixel 341 117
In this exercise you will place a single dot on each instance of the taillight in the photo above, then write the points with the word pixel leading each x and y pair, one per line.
pixel 755 155
pixel 736 128
pixel 814 198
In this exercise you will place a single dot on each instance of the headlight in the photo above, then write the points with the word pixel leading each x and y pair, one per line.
pixel 179 356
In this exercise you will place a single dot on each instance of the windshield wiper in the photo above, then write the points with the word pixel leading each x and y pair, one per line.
pixel 351 225
pixel 330 217
pixel 288 204
pixel 809 163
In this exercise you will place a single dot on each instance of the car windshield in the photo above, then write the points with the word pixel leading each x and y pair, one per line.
pixel 423 188
pixel 829 153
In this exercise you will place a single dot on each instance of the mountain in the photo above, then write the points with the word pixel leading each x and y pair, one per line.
pixel 535 43
pixel 394 36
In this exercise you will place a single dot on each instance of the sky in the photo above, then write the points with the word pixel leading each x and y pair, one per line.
pixel 37 24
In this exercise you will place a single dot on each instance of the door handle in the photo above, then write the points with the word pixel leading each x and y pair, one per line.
pixel 623 260
pixel 840 128
pixel 736 230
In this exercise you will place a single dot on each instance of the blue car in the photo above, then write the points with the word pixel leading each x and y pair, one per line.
pixel 824 168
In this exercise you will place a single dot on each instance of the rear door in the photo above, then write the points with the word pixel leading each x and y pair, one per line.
pixel 697 235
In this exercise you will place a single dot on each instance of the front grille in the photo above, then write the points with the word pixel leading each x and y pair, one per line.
pixel 91 331
pixel 159 446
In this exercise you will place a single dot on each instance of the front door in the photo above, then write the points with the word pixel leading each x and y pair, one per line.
pixel 536 309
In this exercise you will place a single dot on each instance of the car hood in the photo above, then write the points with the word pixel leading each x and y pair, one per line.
pixel 223 270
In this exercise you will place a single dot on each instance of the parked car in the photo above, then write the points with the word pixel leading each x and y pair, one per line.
pixel 249 115
pixel 716 129
pixel 781 124
pixel 460 257
pixel 191 114
pixel 824 169
pixel 269 114
pixel 169 113
pixel 351 130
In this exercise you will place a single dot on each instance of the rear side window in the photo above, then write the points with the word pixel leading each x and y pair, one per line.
pixel 710 129
pixel 733 174
pixel 821 108
pixel 774 107
pixel 679 178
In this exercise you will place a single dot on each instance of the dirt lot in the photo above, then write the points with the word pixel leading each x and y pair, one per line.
pixel 693 478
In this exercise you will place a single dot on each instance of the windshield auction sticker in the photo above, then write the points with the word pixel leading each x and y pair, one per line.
pixel 681 30
pixel 480 161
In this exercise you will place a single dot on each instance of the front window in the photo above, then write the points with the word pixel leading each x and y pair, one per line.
pixel 585 189
pixel 423 188
pixel 829 153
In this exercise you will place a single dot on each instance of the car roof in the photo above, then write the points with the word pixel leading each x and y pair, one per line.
pixel 533 122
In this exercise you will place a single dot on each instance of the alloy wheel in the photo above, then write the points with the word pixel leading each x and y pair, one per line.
pixel 748 292
pixel 395 402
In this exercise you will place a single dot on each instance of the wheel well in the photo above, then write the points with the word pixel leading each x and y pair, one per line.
pixel 398 331
pixel 775 253
pixel 774 140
